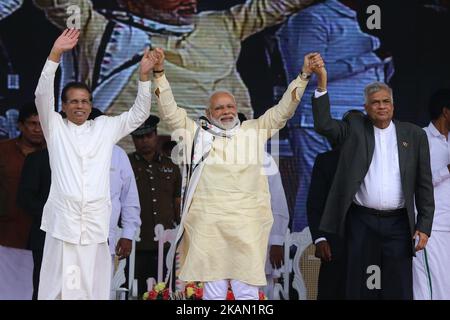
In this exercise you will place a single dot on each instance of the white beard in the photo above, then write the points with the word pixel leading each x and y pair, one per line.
pixel 225 126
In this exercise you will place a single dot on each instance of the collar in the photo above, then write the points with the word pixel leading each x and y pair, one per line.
pixel 76 127
pixel 340 8
pixel 435 132
pixel 386 130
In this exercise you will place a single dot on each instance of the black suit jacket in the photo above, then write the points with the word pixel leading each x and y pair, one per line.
pixel 34 187
pixel 355 136
pixel 321 180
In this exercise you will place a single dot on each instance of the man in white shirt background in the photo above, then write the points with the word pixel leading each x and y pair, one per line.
pixel 430 266
pixel 76 262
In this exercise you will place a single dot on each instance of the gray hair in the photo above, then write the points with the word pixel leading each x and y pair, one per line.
pixel 219 91
pixel 375 87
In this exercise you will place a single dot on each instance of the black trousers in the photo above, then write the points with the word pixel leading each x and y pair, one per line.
pixel 331 284
pixel 379 257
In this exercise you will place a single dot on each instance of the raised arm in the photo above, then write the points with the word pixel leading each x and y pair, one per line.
pixel 276 117
pixel 334 130
pixel 170 113
pixel 45 99
pixel 130 120
pixel 248 18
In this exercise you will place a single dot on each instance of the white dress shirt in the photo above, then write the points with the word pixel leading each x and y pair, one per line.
pixel 78 208
pixel 381 188
pixel 440 159
pixel 124 199
pixel 278 202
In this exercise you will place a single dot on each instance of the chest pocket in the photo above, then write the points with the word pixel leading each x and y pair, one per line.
pixel 166 179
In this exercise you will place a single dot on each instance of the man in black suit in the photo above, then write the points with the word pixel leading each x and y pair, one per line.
pixel 384 166
pixel 32 194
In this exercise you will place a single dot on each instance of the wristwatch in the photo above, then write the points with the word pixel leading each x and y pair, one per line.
pixel 304 76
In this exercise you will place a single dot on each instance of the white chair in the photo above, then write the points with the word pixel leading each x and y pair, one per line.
pixel 162 236
pixel 300 240
pixel 118 279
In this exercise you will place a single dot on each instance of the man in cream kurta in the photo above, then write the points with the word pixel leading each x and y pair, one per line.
pixel 226 211
pixel 76 262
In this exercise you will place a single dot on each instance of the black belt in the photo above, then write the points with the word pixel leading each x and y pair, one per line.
pixel 380 213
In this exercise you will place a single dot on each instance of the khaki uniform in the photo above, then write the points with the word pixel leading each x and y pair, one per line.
pixel 159 184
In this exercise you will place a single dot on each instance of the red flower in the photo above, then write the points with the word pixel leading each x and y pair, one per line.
pixel 166 294
pixel 152 295
pixel 198 293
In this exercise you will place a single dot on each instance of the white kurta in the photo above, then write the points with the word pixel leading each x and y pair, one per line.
pixel 228 222
pixel 78 208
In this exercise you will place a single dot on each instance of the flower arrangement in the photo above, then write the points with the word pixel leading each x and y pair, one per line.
pixel 192 291
pixel 159 292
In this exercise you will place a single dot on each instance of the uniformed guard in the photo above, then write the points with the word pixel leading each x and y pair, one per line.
pixel 158 181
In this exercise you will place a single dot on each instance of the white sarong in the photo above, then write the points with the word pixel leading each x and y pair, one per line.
pixel 75 272
pixel 430 268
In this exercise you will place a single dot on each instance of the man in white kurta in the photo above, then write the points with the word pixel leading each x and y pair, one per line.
pixel 226 214
pixel 430 266
pixel 76 262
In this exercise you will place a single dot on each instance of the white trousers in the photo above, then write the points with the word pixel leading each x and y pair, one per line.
pixel 74 272
pixel 431 280
pixel 217 290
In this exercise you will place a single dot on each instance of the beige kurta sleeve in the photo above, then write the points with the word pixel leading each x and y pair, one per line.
pixel 175 117
pixel 276 117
